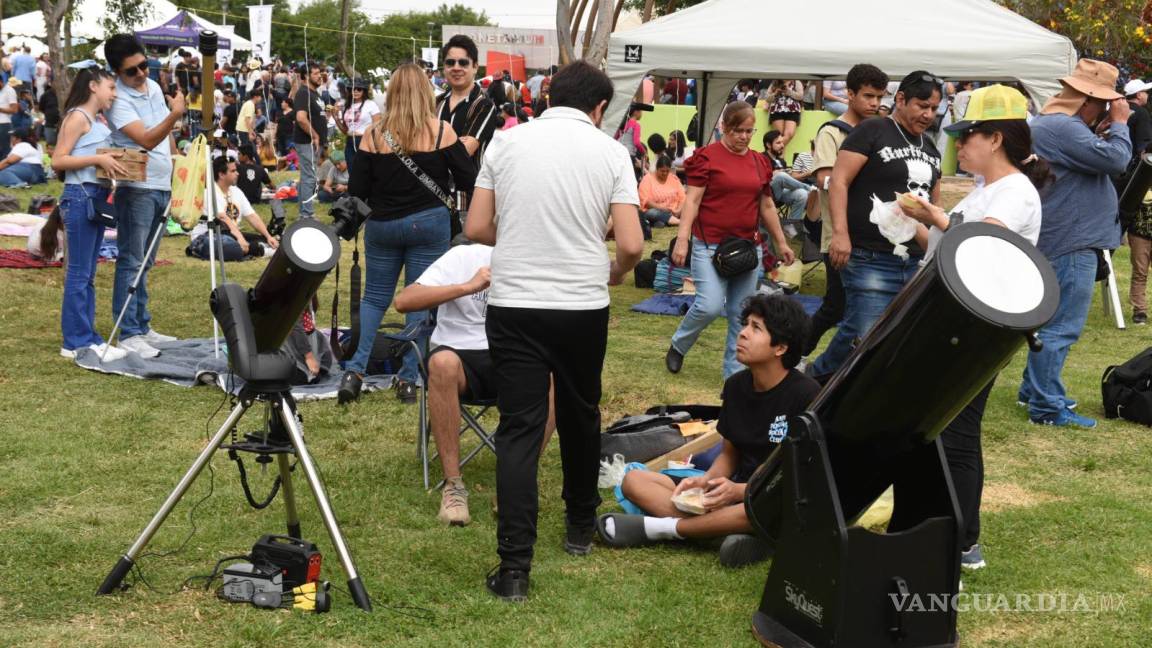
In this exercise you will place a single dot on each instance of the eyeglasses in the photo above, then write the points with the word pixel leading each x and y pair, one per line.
pixel 743 131
pixel 136 69
pixel 462 62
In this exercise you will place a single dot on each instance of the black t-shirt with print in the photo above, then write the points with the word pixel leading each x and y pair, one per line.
pixel 894 166
pixel 755 422
pixel 252 177
pixel 309 100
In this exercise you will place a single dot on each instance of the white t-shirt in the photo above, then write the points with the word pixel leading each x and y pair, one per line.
pixel 235 204
pixel 1012 200
pixel 7 98
pixel 460 322
pixel 27 153
pixel 358 116
pixel 552 210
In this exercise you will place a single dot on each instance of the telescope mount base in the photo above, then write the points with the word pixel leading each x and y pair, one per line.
pixel 834 585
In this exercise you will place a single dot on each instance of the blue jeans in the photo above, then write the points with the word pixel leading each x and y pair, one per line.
pixel 787 190
pixel 351 145
pixel 656 217
pixel 715 296
pixel 837 108
pixel 78 306
pixel 871 281
pixel 306 191
pixel 139 213
pixel 1042 388
pixel 21 174
pixel 413 242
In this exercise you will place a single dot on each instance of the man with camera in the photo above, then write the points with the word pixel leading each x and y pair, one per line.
pixel 1083 135
pixel 140 118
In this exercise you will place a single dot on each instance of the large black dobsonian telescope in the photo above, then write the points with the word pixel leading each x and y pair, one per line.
pixel 255 324
pixel 876 424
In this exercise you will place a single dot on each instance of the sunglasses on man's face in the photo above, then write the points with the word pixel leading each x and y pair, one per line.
pixel 136 69
pixel 462 62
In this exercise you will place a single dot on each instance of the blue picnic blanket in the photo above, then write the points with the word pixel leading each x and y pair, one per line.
pixel 678 305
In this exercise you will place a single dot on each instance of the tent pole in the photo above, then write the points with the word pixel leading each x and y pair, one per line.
pixel 702 109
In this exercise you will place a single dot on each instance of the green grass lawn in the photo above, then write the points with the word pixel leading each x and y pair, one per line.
pixel 88 458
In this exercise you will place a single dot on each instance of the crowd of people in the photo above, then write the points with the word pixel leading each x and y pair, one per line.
pixel 521 311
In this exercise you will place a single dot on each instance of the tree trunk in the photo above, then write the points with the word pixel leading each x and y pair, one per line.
pixel 590 28
pixel 53 13
pixel 564 31
pixel 578 21
pixel 649 5
pixel 596 47
pixel 345 13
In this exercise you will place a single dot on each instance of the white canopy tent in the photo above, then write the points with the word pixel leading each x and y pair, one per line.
pixel 721 41
pixel 86 24
pixel 86 15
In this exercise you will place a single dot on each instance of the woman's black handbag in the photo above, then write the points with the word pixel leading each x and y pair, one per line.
pixel 734 256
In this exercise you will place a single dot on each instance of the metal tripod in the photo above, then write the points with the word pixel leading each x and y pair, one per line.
pixel 279 399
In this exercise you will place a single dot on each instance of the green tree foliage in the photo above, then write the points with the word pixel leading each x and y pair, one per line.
pixel 20 7
pixel 1112 30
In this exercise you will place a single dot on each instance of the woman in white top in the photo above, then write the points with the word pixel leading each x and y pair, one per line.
pixel 999 152
pixel 357 118
pixel 24 164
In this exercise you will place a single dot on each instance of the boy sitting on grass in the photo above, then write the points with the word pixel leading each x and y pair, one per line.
pixel 757 403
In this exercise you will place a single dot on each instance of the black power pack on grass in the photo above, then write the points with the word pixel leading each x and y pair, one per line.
pixel 298 560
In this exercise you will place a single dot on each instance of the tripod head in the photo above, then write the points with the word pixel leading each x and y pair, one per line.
pixel 256 322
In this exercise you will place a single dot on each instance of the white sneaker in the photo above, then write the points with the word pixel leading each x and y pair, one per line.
pixel 111 354
pixel 154 337
pixel 67 353
pixel 139 344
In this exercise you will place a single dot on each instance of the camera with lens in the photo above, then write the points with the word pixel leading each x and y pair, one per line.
pixel 348 214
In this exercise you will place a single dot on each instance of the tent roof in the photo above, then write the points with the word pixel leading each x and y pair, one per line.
pixel 183 29
pixel 956 39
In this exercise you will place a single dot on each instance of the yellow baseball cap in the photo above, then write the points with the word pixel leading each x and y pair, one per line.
pixel 991 103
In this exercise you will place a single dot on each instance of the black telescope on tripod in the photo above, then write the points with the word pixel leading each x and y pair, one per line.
pixel 1139 182
pixel 877 424
pixel 255 324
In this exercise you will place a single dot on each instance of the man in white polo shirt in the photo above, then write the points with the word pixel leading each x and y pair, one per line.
pixel 547 216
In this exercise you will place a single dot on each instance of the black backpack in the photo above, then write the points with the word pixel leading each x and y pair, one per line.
pixel 1127 389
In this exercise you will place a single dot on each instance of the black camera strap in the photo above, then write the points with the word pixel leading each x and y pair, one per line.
pixel 354 289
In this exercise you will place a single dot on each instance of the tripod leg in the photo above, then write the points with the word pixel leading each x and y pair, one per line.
pixel 289 497
pixel 355 586
pixel 124 565
pixel 136 282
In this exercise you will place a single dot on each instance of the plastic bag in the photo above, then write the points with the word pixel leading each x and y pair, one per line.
pixel 188 183
pixel 893 224
pixel 611 472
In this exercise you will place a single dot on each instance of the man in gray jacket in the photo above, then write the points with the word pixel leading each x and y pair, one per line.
pixel 1083 134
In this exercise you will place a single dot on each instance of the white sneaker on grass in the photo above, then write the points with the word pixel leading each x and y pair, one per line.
pixel 154 337
pixel 112 354
pixel 138 344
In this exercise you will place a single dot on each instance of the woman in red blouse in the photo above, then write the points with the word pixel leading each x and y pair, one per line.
pixel 729 194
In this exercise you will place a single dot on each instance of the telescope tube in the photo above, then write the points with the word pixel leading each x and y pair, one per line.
pixel 308 251
pixel 208 47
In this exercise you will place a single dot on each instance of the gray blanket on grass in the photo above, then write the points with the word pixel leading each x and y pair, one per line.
pixel 188 363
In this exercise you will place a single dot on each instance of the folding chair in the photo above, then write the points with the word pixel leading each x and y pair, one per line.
pixel 471 410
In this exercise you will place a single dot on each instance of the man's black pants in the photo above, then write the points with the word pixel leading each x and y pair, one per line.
pixel 528 346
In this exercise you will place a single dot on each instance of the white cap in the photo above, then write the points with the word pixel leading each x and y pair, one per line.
pixel 1134 86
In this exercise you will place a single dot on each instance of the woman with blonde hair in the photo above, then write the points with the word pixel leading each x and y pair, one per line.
pixel 407 168
pixel 729 195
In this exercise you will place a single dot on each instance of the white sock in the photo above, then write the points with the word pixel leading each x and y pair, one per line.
pixel 661 528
